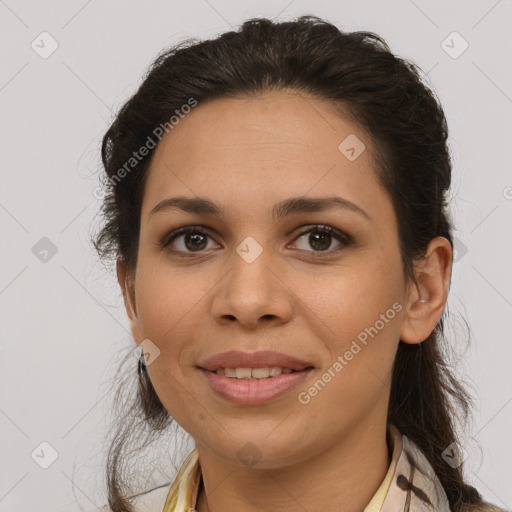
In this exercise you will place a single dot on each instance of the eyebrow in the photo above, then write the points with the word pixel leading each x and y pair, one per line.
pixel 294 205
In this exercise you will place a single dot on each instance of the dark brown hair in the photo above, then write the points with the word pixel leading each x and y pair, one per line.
pixel 387 96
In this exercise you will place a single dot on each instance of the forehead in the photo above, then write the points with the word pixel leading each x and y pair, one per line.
pixel 276 145
pixel 269 123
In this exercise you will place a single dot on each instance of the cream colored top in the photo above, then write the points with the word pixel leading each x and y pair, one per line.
pixel 410 485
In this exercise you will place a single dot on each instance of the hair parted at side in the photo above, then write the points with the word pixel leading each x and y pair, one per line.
pixel 387 97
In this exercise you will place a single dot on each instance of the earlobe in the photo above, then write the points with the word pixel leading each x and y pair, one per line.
pixel 428 295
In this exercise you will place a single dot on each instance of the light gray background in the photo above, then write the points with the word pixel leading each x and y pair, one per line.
pixel 62 322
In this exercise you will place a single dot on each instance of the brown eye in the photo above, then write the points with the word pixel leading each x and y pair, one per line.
pixel 189 239
pixel 320 238
pixel 195 241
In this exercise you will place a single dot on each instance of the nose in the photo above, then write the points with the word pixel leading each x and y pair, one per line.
pixel 252 294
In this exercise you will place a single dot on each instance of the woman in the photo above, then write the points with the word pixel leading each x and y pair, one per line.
pixel 276 206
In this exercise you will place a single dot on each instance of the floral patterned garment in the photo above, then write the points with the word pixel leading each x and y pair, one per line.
pixel 410 484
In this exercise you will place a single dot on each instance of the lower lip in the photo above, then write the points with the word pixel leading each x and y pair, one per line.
pixel 256 391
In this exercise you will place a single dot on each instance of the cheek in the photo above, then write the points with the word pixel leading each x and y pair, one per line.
pixel 167 316
pixel 352 297
pixel 356 313
pixel 167 297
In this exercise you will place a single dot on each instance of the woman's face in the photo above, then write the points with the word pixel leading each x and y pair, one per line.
pixel 250 281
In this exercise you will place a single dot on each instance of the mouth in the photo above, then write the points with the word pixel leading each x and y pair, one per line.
pixel 255 386
pixel 254 378
pixel 266 372
pixel 261 364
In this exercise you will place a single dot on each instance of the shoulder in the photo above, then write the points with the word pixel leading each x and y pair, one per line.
pixel 152 500
pixel 483 507
pixel 413 457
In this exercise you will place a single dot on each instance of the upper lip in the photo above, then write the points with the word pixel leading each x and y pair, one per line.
pixel 261 359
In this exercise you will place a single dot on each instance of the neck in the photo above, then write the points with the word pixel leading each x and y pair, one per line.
pixel 343 478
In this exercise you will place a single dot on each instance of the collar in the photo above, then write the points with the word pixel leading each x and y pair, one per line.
pixel 410 483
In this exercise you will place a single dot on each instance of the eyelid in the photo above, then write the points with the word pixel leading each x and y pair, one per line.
pixel 344 238
pixel 174 233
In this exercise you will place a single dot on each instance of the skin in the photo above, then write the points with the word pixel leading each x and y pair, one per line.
pixel 247 154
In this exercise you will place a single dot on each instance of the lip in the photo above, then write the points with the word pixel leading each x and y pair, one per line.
pixel 257 391
pixel 260 359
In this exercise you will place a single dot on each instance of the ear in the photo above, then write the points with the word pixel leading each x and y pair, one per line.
pixel 126 281
pixel 427 297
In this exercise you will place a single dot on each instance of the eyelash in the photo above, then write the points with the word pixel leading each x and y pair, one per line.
pixel 345 239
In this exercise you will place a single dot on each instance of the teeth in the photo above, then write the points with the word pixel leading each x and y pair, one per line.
pixel 230 372
pixel 243 373
pixel 275 371
pixel 260 373
pixel 253 373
